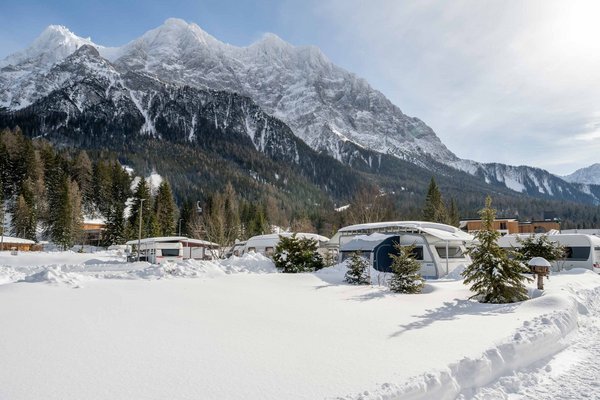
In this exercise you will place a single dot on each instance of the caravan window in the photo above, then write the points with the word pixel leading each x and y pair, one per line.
pixel 577 253
pixel 269 250
pixel 253 249
pixel 417 253
pixel 170 252
pixel 453 252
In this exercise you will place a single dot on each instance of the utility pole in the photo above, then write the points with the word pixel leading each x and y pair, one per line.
pixel 140 227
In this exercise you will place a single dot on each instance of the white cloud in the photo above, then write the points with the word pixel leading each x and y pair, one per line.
pixel 501 81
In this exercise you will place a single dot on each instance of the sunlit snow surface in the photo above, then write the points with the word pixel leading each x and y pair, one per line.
pixel 91 326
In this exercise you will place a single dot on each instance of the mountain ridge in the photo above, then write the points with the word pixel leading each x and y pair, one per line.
pixel 587 175
pixel 329 108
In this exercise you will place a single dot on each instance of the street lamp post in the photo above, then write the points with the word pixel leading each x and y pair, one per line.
pixel 140 227
pixel 2 226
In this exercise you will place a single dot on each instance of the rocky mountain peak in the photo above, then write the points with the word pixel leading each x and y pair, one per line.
pixel 587 175
pixel 54 44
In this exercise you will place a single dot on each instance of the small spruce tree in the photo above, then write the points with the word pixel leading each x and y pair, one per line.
pixel 294 255
pixel 358 273
pixel 405 271
pixel 539 246
pixel 494 276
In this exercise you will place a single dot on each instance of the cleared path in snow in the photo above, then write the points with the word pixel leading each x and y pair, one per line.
pixel 571 374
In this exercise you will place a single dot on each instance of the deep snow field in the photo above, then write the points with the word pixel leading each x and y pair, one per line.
pixel 90 326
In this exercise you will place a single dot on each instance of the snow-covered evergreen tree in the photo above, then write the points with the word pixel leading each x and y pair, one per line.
pixel 539 246
pixel 294 254
pixel 494 276
pixel 405 271
pixel 358 270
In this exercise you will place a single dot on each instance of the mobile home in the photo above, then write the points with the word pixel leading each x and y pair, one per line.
pixel 581 251
pixel 439 248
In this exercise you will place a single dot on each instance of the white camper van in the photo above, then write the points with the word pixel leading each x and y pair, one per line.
pixel 157 250
pixel 439 248
pixel 265 244
pixel 582 251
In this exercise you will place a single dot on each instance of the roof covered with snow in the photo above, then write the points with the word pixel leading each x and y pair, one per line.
pixel 440 231
pixel 275 236
pixel 15 240
pixel 172 239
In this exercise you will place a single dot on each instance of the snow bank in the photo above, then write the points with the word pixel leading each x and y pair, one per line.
pixel 186 269
pixel 537 339
pixel 9 274
pixel 249 263
pixel 55 275
pixel 73 268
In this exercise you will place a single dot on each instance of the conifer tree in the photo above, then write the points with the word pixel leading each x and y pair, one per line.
pixel 494 277
pixel 405 271
pixel 24 222
pixel 539 246
pixel 114 209
pixel 453 214
pixel 141 201
pixel 434 209
pixel 21 219
pixel 83 175
pixel 258 224
pixel 67 220
pixel 294 255
pixel 165 210
pixel 101 187
pixel 186 218
pixel 358 270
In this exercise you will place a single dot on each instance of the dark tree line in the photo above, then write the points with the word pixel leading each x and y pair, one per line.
pixel 47 192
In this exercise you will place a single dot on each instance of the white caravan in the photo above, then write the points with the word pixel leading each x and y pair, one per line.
pixel 265 244
pixel 439 248
pixel 582 251
pixel 157 250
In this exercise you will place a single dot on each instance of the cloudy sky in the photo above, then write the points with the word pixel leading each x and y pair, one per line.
pixel 511 81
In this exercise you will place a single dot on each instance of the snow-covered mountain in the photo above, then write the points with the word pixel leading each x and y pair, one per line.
pixel 524 179
pixel 587 175
pixel 329 108
pixel 85 101
pixel 322 103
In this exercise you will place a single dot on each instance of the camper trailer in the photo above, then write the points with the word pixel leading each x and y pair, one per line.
pixel 172 248
pixel 581 251
pixel 156 250
pixel 439 248
pixel 265 244
pixel 236 250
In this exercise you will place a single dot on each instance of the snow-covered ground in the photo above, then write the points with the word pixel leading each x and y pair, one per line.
pixel 91 326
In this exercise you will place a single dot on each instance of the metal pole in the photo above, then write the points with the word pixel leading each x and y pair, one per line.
pixel 180 219
pixel 447 257
pixel 2 222
pixel 140 227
